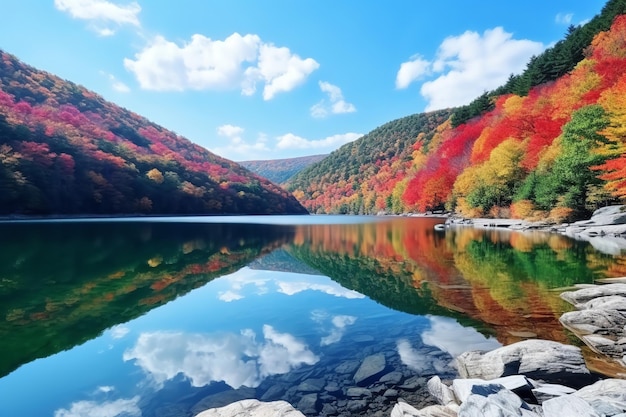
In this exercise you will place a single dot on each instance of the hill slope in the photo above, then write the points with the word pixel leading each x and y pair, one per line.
pixel 554 149
pixel 65 150
pixel 280 171
pixel 360 176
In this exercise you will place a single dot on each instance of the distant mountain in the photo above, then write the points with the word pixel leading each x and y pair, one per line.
pixel 64 150
pixel 280 171
pixel 549 144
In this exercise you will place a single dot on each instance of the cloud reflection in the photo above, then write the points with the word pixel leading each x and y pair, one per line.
pixel 339 328
pixel 121 407
pixel 450 336
pixel 294 287
pixel 420 362
pixel 283 282
pixel 236 359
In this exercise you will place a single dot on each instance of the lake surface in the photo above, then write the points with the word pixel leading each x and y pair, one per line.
pixel 168 317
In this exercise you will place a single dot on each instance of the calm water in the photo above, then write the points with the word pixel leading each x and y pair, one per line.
pixel 167 317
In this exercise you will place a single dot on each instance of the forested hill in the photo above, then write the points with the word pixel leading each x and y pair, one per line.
pixel 280 171
pixel 65 150
pixel 548 144
pixel 360 176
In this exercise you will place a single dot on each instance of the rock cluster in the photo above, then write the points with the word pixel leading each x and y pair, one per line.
pixel 548 394
pixel 599 319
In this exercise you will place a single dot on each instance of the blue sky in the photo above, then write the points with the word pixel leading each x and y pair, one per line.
pixel 277 78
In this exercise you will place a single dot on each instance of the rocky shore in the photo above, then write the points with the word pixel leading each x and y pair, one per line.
pixel 532 378
pixel 605 230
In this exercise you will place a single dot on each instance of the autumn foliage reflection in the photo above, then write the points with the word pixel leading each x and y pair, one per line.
pixel 63 284
pixel 506 280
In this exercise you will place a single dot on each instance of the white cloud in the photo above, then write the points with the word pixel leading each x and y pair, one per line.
pixel 291 141
pixel 334 104
pixel 237 62
pixel 419 361
pixel 236 359
pixel 411 71
pixel 117 85
pixel 229 130
pixel 119 331
pixel 340 323
pixel 237 145
pixel 468 65
pixel 564 18
pixel 101 13
pixel 121 407
pixel 448 335
pixel 279 69
pixel 228 296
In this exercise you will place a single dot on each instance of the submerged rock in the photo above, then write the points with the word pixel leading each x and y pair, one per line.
pixel 371 367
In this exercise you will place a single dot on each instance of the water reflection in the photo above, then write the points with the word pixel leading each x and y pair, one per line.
pixel 62 284
pixel 236 359
pixel 115 303
pixel 502 282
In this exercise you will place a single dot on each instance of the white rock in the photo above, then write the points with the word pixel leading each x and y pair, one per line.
pixel 440 391
pixel 462 388
pixel 568 405
pixel 607 391
pixel 402 409
pixel 586 294
pixel 608 302
pixel 594 321
pixel 503 404
pixel 545 392
pixel 256 408
pixel 538 359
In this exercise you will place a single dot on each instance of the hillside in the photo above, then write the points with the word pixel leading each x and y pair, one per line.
pixel 280 171
pixel 65 150
pixel 360 176
pixel 554 149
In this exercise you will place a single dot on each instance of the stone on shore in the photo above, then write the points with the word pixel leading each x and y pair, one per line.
pixel 600 320
pixel 371 367
pixel 497 404
pixel 607 397
pixel 543 360
pixel 402 409
pixel 584 295
pixel 254 408
pixel 544 392
pixel 568 406
pixel 440 391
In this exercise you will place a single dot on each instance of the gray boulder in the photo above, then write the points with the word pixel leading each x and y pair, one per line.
pixel 600 320
pixel 595 322
pixel 543 360
pixel 371 367
pixel 254 408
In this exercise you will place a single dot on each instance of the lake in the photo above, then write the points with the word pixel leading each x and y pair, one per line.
pixel 170 316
